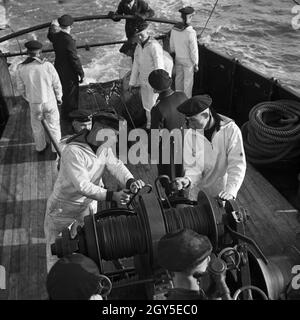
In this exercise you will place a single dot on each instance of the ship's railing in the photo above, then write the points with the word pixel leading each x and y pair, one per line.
pixel 79 19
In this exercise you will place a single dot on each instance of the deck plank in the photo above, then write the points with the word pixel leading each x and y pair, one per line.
pixel 26 181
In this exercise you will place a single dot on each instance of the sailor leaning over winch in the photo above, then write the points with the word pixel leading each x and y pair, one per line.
pixel 79 185
pixel 183 43
pixel 39 84
pixel 214 156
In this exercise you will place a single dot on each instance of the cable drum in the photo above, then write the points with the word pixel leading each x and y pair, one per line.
pixel 121 237
pixel 194 218
pixel 272 132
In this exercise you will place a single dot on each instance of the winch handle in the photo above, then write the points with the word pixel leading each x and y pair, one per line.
pixel 138 192
pixel 251 288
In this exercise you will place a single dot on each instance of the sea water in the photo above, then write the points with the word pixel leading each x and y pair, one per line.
pixel 260 33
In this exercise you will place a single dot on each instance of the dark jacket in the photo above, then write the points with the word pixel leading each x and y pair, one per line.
pixel 67 62
pixel 164 114
pixel 185 294
pixel 139 7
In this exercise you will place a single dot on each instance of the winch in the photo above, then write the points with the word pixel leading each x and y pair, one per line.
pixel 134 231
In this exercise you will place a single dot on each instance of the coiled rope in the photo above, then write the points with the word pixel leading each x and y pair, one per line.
pixel 272 133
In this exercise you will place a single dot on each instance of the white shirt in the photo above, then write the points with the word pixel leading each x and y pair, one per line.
pixel 79 179
pixel 38 82
pixel 184 44
pixel 146 60
pixel 217 165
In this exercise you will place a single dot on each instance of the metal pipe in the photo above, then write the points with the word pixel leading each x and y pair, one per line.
pixel 52 139
pixel 79 19
pixel 85 46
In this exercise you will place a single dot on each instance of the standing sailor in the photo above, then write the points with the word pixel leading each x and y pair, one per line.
pixel 214 156
pixel 164 115
pixel 38 82
pixel 79 183
pixel 148 56
pixel 183 42
pixel 67 62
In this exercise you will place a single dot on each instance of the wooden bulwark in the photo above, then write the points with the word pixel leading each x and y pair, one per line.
pixel 26 181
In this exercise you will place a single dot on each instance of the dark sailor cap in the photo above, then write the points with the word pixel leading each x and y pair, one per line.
pixel 33 45
pixel 108 119
pixel 141 27
pixel 183 250
pixel 187 10
pixel 159 79
pixel 195 105
pixel 74 277
pixel 65 20
pixel 81 115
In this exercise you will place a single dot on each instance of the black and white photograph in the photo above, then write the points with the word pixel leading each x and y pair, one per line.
pixel 149 153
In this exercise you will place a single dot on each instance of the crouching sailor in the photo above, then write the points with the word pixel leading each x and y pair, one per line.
pixel 38 82
pixel 214 157
pixel 79 185
pixel 197 274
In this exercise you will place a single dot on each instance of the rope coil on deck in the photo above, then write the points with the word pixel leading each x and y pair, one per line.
pixel 272 132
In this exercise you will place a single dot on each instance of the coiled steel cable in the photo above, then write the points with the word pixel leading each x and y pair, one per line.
pixel 272 132
pixel 194 218
pixel 120 237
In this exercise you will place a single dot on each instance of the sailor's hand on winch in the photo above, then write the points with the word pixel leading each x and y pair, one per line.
pixel 181 183
pixel 121 197
pixel 136 185
pixel 223 195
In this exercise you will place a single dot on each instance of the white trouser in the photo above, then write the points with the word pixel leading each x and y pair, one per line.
pixel 49 112
pixel 184 78
pixel 59 215
pixel 148 99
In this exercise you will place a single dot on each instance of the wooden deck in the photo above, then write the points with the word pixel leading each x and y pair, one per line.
pixel 26 181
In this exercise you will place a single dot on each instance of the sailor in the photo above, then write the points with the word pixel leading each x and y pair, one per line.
pixel 164 115
pixel 214 157
pixel 81 119
pixel 79 185
pixel 38 82
pixel 74 277
pixel 148 56
pixel 183 43
pixel 138 8
pixel 67 62
pixel 187 255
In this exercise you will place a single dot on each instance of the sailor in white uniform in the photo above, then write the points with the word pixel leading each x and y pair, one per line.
pixel 183 42
pixel 148 56
pixel 38 82
pixel 214 156
pixel 79 183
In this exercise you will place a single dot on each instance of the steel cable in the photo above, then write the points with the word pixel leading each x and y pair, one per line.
pixel 272 132
pixel 195 218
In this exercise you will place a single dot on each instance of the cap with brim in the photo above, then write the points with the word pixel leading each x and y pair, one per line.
pixel 141 27
pixel 183 250
pixel 74 277
pixel 195 105
pixel 81 115
pixel 187 10
pixel 65 20
pixel 107 119
pixel 159 79
pixel 33 45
